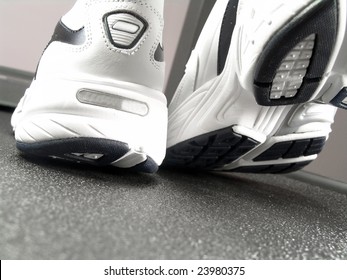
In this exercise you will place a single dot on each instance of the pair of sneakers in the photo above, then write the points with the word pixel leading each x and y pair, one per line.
pixel 259 94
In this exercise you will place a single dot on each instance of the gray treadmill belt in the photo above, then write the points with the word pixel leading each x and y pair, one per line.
pixel 51 210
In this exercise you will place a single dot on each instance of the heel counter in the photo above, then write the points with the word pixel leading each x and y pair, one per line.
pixel 108 39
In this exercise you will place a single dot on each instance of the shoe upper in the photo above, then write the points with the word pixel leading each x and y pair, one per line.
pixel 217 89
pixel 108 40
pixel 235 35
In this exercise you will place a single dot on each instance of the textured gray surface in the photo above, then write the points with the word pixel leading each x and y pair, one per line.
pixel 56 211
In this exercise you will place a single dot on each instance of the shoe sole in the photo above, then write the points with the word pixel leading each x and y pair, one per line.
pixel 93 124
pixel 217 149
pixel 229 149
pixel 293 63
pixel 92 151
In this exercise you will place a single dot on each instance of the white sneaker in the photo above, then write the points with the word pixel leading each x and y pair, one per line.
pixel 97 95
pixel 286 56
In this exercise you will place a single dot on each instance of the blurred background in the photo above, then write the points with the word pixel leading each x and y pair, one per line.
pixel 26 27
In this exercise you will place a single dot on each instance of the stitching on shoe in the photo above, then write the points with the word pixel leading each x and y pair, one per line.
pixel 128 6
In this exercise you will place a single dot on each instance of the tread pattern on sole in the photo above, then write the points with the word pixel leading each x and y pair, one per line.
pixel 211 150
pixel 319 18
pixel 216 149
pixel 64 149
pixel 274 168
pixel 293 149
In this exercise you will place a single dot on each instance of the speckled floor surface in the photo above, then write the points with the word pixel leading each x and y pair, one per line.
pixel 51 210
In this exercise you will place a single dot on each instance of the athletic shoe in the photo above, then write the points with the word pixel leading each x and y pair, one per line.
pixel 97 95
pixel 259 88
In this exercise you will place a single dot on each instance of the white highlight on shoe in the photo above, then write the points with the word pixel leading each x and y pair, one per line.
pixel 55 157
pixel 344 101
pixel 130 159
pixel 290 74
pixel 126 27
pixel 112 101
pixel 89 156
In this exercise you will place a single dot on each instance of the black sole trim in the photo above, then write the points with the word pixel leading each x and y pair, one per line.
pixel 63 149
pixel 340 99
pixel 293 149
pixel 211 150
pixel 273 169
pixel 148 166
pixel 319 18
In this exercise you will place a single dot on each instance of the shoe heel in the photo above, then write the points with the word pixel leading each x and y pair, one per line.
pixel 294 61
pixel 122 125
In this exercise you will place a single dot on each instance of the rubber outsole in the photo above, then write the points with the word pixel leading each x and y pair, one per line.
pixel 67 149
pixel 273 168
pixel 211 150
pixel 293 149
pixel 216 149
pixel 319 18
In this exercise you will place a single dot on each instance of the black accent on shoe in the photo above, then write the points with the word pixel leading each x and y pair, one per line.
pixel 148 166
pixel 211 150
pixel 159 53
pixel 226 33
pixel 293 149
pixel 277 169
pixel 66 149
pixel 319 18
pixel 340 99
pixel 64 34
